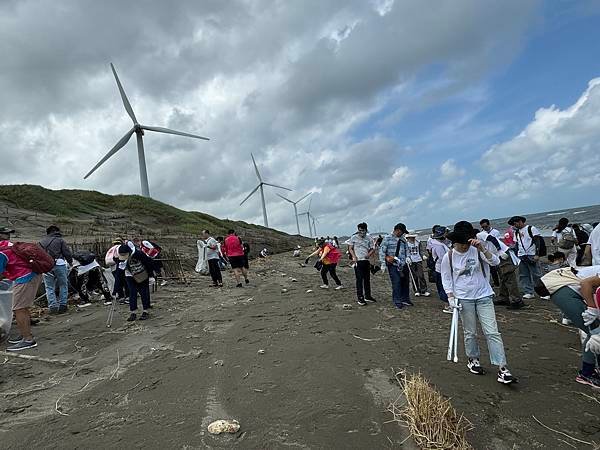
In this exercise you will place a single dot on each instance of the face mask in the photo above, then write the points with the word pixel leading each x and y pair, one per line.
pixel 362 232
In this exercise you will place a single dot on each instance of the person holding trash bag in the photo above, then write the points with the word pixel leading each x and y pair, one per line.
pixel 465 276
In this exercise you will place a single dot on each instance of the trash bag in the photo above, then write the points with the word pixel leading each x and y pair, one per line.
pixel 5 309
pixel 202 264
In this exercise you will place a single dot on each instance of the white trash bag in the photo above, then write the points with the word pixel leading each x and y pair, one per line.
pixel 5 309
pixel 202 264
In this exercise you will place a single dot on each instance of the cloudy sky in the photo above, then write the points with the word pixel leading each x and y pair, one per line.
pixel 387 110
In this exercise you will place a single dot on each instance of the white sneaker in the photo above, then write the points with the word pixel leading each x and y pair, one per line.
pixel 324 286
pixel 417 294
pixel 426 294
pixel 339 287
pixel 528 296
pixel 566 321
pixel 547 297
pixel 448 309
pixel 164 282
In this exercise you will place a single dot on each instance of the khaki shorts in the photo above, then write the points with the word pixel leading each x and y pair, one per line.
pixel 24 294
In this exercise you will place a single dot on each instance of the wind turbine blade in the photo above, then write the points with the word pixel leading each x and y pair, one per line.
pixel 126 103
pixel 112 151
pixel 256 168
pixel 274 185
pixel 250 194
pixel 169 131
pixel 309 203
pixel 302 198
pixel 286 199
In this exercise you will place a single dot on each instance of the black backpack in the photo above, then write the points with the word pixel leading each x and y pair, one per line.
pixel 84 257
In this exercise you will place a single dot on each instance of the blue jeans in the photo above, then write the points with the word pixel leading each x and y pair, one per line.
pixel 484 309
pixel 57 277
pixel 529 274
pixel 400 287
pixel 440 287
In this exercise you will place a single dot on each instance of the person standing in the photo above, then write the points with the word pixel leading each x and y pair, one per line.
pixel 438 248
pixel 212 258
pixel 563 236
pixel 329 257
pixel 392 254
pixel 25 284
pixel 465 276
pixel 527 238
pixel 361 248
pixel 487 227
pixel 233 250
pixel 416 265
pixel 139 268
pixel 57 248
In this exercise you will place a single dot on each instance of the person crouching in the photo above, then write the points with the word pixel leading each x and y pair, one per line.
pixel 139 268
pixel 465 276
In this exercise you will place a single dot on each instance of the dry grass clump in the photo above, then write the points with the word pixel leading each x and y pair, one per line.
pixel 432 421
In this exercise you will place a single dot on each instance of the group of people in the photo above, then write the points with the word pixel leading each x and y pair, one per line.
pixel 464 263
pixel 24 266
pixel 231 250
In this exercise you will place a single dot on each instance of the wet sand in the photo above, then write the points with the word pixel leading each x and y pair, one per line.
pixel 323 381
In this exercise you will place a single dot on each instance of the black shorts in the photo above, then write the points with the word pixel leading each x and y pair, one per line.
pixel 237 262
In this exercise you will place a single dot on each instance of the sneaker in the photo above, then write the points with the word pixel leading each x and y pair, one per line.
pixel 545 297
pixel 417 294
pixel 53 311
pixel 107 302
pixel 340 287
pixel 426 294
pixel 144 316
pixel 370 300
pixel 592 380
pixel 83 305
pixel 123 301
pixel 15 340
pixel 474 366
pixel 504 376
pixel 516 305
pixel 407 303
pixel 361 302
pixel 62 309
pixel 324 286
pixel 22 345
pixel 448 309
pixel 132 317
pixel 164 282
pixel 528 296
pixel 566 321
pixel 239 285
pixel 247 281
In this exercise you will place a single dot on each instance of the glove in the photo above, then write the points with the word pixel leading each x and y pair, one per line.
pixel 589 315
pixel 453 302
pixel 593 345
pixel 306 260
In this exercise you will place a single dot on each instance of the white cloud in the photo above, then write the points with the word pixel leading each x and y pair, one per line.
pixel 450 170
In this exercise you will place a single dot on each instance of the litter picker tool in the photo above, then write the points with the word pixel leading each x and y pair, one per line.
pixel 451 338
pixel 412 277
pixel 455 314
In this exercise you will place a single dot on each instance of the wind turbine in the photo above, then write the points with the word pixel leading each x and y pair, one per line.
pixel 308 217
pixel 139 132
pixel 261 183
pixel 314 219
pixel 295 208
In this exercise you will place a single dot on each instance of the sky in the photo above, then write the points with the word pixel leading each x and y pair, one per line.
pixel 387 111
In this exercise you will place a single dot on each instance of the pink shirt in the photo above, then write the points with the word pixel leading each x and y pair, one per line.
pixel 232 246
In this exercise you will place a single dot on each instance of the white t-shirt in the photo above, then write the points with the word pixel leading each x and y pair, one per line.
pixel 557 235
pixel 467 281
pixel 594 241
pixel 438 250
pixel 495 233
pixel 583 273
pixel 525 244
pixel 212 253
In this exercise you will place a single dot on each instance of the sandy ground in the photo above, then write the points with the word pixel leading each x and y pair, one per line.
pixel 158 384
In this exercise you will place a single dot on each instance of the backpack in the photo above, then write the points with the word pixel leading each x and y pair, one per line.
pixel 84 257
pixel 38 260
pixel 567 240
pixel 559 278
pixel 537 240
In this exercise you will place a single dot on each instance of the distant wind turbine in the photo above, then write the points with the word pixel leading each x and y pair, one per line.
pixel 308 218
pixel 139 132
pixel 295 208
pixel 261 183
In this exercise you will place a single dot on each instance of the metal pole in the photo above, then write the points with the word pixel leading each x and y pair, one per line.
pixel 142 162
pixel 264 206
pixel 309 228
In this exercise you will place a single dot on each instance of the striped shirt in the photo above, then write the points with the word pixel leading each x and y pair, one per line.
pixel 388 248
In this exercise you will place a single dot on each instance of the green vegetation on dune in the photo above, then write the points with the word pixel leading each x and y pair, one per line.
pixel 73 203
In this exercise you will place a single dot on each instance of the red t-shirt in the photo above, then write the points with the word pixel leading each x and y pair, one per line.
pixel 232 246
